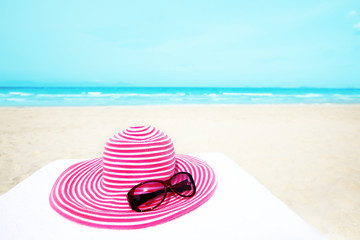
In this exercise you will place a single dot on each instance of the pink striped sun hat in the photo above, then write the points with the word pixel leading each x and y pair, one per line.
pixel 94 192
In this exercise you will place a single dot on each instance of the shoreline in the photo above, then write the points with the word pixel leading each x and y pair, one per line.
pixel 192 105
pixel 305 154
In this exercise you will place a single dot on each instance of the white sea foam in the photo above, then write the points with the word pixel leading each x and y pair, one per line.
pixel 114 95
pixel 20 93
pixel 219 99
pixel 99 94
pixel 161 94
pixel 59 95
pixel 345 97
pixel 250 94
pixel 77 99
pixel 308 95
pixel 176 99
pixel 128 94
pixel 94 93
pixel 211 94
pixel 16 99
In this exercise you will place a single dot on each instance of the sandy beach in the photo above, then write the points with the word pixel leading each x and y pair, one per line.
pixel 307 155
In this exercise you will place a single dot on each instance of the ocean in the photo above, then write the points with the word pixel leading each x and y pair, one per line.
pixel 114 96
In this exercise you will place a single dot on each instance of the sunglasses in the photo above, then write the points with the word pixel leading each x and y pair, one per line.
pixel 149 195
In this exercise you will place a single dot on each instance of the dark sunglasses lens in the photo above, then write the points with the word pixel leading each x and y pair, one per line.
pixel 183 185
pixel 148 196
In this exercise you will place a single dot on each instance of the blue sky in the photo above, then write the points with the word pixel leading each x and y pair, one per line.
pixel 184 43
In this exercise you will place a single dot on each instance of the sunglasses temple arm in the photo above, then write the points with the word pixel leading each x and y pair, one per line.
pixel 181 186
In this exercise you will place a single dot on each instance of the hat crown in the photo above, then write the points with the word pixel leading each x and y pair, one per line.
pixel 135 155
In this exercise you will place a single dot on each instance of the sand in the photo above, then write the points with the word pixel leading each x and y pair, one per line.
pixel 307 155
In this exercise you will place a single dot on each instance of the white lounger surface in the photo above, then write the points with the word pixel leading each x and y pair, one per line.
pixel 241 208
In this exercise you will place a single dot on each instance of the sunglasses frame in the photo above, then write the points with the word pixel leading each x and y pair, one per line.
pixel 167 185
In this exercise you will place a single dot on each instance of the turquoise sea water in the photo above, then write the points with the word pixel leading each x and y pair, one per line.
pixel 112 96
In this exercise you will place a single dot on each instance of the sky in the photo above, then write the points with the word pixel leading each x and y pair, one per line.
pixel 308 43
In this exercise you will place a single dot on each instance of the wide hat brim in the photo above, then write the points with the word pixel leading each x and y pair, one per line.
pixel 78 195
